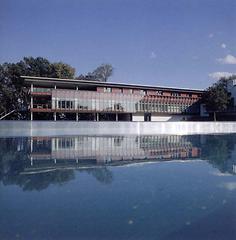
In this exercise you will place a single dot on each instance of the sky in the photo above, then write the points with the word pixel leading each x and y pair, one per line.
pixel 176 43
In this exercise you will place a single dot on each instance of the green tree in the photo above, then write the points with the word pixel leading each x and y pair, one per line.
pixel 216 98
pixel 103 72
pixel 13 95
pixel 62 70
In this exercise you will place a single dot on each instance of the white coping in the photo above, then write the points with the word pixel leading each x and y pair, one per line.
pixel 59 128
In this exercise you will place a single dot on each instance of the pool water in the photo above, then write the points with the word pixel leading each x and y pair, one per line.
pixel 118 187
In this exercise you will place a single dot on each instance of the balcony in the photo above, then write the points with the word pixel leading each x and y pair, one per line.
pixel 41 92
pixel 41 108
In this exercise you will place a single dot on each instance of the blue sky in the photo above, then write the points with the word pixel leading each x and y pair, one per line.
pixel 184 43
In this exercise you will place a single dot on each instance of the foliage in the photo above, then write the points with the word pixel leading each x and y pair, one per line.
pixel 101 73
pixel 62 70
pixel 12 93
pixel 216 98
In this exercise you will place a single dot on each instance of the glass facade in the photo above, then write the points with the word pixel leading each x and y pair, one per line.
pixel 92 101
pixel 42 90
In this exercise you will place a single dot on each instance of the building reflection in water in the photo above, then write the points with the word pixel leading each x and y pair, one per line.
pixel 35 163
pixel 114 150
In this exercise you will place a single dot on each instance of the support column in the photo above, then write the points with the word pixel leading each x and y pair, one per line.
pixel 97 117
pixel 55 116
pixel 116 117
pixel 31 101
pixel 31 145
pixel 77 117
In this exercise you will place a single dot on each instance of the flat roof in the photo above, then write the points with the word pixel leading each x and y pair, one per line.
pixel 76 82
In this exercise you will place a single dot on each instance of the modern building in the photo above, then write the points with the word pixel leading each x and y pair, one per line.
pixel 231 87
pixel 61 99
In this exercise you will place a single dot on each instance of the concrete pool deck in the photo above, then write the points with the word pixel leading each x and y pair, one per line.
pixel 59 128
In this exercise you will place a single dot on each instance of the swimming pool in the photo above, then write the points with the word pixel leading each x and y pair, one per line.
pixel 118 187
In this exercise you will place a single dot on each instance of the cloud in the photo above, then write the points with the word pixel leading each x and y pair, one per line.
pixel 152 55
pixel 228 59
pixel 223 45
pixel 211 35
pixel 219 75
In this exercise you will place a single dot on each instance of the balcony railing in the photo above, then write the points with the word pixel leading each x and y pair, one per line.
pixel 42 90
pixel 42 106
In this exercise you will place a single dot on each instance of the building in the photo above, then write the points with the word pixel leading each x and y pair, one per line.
pixel 61 99
pixel 231 87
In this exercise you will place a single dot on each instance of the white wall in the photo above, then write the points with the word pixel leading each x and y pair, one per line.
pixel 137 117
pixel 51 128
pixel 172 118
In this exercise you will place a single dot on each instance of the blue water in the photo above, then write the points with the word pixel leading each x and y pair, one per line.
pixel 162 187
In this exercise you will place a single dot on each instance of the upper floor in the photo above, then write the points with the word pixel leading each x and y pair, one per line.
pixel 44 86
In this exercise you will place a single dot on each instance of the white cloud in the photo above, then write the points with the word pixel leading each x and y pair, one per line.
pixel 152 55
pixel 211 35
pixel 229 59
pixel 223 45
pixel 219 75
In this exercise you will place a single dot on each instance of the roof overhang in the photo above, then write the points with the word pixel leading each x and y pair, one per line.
pixel 72 83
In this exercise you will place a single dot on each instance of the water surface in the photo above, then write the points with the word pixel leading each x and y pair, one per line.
pixel 118 187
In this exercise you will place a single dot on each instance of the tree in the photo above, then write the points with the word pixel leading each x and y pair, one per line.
pixel 62 70
pixel 13 95
pixel 103 72
pixel 216 98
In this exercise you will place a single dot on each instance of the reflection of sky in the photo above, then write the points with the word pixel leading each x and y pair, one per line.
pixel 180 198
pixel 231 186
pixel 164 201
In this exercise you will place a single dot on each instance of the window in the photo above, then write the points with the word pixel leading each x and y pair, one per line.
pixel 159 93
pixel 107 89
pixel 175 94
pixel 143 92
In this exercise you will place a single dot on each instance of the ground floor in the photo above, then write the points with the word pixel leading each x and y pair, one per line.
pixel 104 116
